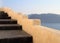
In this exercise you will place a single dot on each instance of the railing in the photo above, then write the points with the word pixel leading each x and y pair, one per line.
pixel 39 33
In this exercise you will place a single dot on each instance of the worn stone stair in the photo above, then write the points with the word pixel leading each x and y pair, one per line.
pixel 8 21
pixel 10 27
pixel 4 15
pixel 11 32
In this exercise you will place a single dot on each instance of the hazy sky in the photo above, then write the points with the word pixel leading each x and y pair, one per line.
pixel 33 6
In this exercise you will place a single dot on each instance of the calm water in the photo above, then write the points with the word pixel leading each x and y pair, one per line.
pixel 52 25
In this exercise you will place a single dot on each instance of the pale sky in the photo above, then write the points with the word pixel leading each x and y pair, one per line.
pixel 33 6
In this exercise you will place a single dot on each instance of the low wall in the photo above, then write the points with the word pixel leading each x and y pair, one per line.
pixel 39 33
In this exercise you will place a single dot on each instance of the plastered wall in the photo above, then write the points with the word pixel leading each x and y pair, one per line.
pixel 39 33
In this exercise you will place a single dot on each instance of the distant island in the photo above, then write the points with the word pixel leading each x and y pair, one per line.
pixel 46 18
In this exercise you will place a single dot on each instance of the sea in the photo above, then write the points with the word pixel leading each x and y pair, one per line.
pixel 52 25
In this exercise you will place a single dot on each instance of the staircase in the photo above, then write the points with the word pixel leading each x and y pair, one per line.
pixel 11 32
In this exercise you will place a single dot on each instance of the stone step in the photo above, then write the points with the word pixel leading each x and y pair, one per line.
pixel 10 27
pixel 8 21
pixel 14 36
pixel 5 17
pixel 3 14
